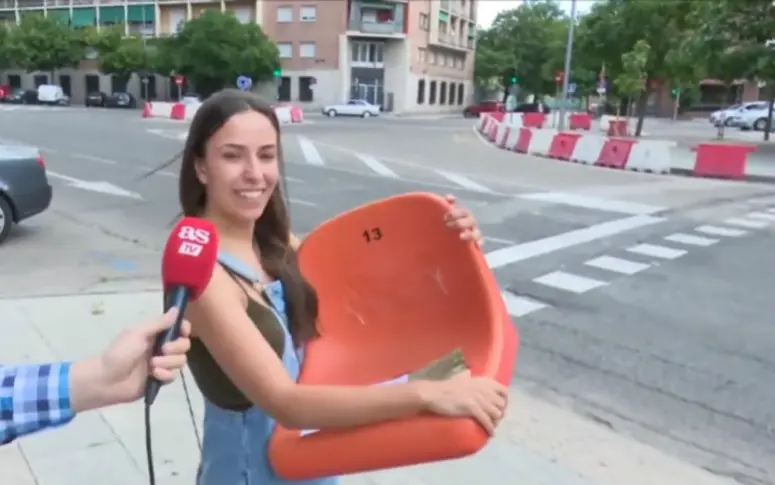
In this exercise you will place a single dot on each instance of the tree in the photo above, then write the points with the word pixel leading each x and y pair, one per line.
pixel 742 32
pixel 631 81
pixel 612 29
pixel 41 43
pixel 525 43
pixel 120 56
pixel 214 49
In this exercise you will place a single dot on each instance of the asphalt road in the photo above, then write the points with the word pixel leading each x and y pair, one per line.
pixel 643 302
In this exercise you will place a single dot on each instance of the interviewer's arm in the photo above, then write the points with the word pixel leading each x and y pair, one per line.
pixel 218 318
pixel 34 397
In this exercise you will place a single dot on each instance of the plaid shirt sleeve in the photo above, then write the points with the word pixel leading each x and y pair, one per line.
pixel 32 398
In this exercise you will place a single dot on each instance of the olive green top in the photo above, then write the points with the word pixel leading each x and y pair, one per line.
pixel 209 376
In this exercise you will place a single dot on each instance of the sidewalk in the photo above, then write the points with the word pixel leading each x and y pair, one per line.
pixel 537 444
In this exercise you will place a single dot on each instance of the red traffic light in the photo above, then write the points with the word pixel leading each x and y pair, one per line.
pixel 558 77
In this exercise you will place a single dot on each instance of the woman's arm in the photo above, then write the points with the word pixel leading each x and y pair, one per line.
pixel 219 320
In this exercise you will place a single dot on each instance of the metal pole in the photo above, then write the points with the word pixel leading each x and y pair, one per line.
pixel 568 57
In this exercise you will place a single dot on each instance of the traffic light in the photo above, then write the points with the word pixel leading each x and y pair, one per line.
pixel 513 80
pixel 277 73
pixel 675 92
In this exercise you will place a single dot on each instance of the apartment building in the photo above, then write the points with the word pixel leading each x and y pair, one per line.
pixel 408 55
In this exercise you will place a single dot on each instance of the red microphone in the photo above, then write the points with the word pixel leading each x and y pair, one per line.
pixel 187 265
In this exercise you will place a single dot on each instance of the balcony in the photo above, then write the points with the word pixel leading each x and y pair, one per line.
pixel 377 19
pixel 453 41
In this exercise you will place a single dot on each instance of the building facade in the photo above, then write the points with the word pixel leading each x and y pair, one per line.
pixel 410 56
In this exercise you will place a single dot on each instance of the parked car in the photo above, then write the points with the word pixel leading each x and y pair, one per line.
pixel 24 187
pixel 731 116
pixel 754 119
pixel 355 107
pixel 532 108
pixel 474 110
pixel 95 98
pixel 120 99
pixel 52 95
pixel 23 96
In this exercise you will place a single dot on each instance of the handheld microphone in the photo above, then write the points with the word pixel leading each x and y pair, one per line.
pixel 187 265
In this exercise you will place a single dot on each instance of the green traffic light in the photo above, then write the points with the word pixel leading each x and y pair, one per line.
pixel 277 73
pixel 513 80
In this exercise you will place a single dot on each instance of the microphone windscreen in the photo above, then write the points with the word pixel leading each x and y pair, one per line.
pixel 190 256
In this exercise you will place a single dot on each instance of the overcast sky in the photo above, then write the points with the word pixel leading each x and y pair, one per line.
pixel 488 9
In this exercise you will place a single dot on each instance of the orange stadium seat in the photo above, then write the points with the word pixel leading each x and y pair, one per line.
pixel 397 290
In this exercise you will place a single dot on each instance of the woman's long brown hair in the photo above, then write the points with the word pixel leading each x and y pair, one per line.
pixel 272 229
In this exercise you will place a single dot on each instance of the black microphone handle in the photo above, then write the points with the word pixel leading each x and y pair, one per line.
pixel 178 298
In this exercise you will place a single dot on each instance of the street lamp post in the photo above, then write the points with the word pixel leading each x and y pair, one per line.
pixel 568 57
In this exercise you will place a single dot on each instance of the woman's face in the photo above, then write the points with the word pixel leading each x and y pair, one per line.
pixel 240 169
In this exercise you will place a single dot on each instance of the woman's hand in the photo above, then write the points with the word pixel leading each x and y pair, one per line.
pixel 460 219
pixel 464 396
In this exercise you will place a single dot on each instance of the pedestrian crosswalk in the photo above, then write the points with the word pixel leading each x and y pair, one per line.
pixel 528 296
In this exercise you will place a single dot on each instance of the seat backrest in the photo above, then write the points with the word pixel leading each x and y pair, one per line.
pixel 391 271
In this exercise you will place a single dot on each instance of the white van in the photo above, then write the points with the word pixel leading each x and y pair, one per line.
pixel 52 94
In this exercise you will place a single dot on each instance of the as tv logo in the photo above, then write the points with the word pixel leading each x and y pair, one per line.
pixel 190 249
pixel 192 234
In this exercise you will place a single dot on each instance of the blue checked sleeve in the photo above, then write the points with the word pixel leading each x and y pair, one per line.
pixel 32 398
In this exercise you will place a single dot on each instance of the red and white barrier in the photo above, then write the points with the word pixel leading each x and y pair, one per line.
pixel 652 156
pixel 170 111
pixel 286 114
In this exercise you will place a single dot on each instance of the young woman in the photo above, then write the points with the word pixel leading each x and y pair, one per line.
pixel 252 321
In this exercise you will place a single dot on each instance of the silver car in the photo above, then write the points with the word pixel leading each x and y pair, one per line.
pixel 24 187
pixel 355 107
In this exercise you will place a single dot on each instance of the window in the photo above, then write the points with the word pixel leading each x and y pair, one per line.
pixel 285 49
pixel 421 91
pixel 367 52
pixel 432 58
pixel 307 50
pixel 285 14
pixel 432 94
pixel 308 14
pixel 443 93
pixel 306 93
pixel 443 60
pixel 284 90
pixel 425 22
pixel 460 93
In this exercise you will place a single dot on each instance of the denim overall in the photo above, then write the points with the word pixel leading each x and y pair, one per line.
pixel 234 443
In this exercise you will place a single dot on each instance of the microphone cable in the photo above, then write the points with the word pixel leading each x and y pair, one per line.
pixel 189 404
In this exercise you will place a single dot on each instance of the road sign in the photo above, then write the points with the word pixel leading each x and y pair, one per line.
pixel 179 80
pixel 244 82
pixel 571 88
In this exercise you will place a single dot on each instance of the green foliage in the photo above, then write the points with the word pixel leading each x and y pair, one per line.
pixel 214 49
pixel 120 56
pixel 632 78
pixel 528 43
pixel 41 43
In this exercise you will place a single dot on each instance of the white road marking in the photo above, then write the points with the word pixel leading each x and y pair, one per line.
pixel 595 203
pixel 746 223
pixel 762 215
pixel 310 153
pixel 691 239
pixel 655 251
pixel 302 202
pixel 721 231
pixel 377 166
pixel 569 282
pixel 464 182
pixel 521 252
pixel 519 306
pixel 495 239
pixel 617 265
